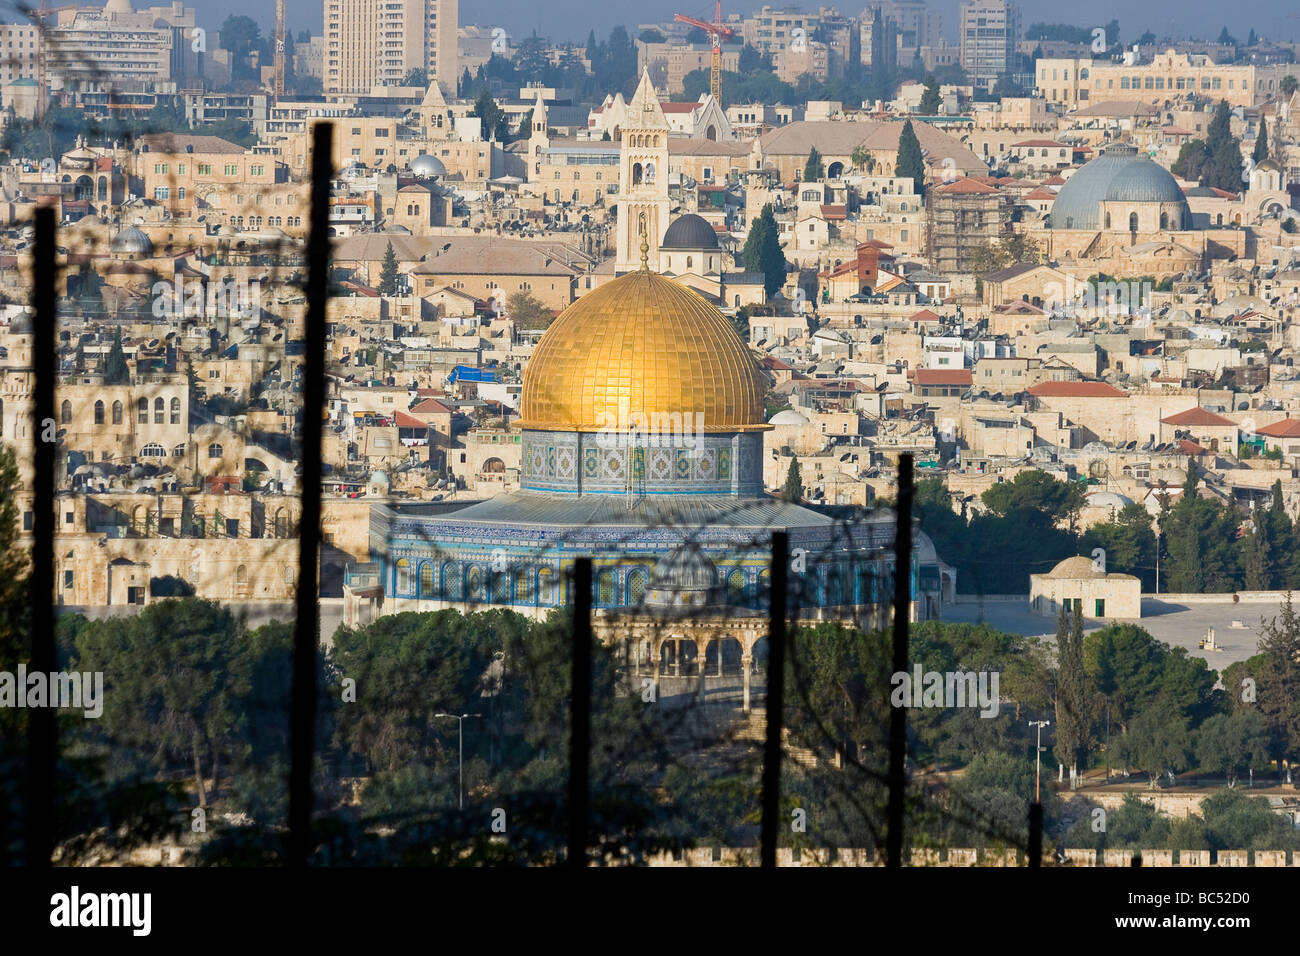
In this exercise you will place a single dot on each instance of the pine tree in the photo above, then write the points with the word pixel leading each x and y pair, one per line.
pixel 929 105
pixel 910 161
pixel 388 272
pixel 813 169
pixel 762 252
pixel 792 491
pixel 1261 142
pixel 116 371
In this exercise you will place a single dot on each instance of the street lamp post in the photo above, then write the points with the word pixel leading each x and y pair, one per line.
pixel 460 730
pixel 1038 755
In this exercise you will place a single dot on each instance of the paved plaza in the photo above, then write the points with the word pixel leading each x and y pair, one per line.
pixel 1236 625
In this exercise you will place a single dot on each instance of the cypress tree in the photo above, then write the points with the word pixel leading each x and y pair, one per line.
pixel 1261 142
pixel 929 105
pixel 762 252
pixel 910 161
pixel 116 371
pixel 388 272
pixel 813 169
pixel 1073 717
pixel 792 491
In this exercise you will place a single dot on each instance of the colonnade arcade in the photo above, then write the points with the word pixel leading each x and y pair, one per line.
pixel 649 643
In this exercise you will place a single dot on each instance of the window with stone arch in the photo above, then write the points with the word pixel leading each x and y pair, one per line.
pixel 546 586
pixel 474 585
pixel 117 413
pixel 403 576
pixel 426 580
pixel 99 412
pixel 523 586
pixel 65 413
pixel 159 411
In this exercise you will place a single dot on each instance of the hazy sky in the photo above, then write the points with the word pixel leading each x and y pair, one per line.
pixel 571 19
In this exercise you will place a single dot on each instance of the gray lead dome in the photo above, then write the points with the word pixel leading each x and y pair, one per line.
pixel 690 232
pixel 1119 174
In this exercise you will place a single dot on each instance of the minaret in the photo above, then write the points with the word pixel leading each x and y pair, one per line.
pixel 643 179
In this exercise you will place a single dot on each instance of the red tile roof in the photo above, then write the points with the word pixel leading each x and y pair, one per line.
pixel 1076 390
pixel 1286 428
pixel 925 315
pixel 408 421
pixel 1197 416
pixel 835 212
pixel 431 406
pixel 943 376
pixel 965 186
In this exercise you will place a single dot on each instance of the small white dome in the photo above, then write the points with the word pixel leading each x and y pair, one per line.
pixel 787 417
pixel 428 167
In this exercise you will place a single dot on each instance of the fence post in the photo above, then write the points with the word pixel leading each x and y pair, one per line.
pixel 902 615
pixel 580 715
pixel 42 730
pixel 1035 834
pixel 775 704
pixel 302 722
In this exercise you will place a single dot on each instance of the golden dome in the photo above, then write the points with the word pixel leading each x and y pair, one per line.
pixel 642 345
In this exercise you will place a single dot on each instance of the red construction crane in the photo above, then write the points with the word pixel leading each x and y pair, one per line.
pixel 717 31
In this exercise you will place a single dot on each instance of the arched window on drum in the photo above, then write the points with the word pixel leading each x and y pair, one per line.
pixel 605 588
pixel 736 587
pixel 546 587
pixel 450 581
pixel 637 581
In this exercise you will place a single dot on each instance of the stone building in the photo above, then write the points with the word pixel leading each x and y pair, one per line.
pixel 1081 585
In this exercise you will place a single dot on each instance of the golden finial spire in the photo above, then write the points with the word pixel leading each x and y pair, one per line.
pixel 645 254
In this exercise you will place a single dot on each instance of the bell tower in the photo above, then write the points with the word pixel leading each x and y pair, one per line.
pixel 643 180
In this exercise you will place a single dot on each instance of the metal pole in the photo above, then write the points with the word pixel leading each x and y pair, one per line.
pixel 775 699
pixel 460 726
pixel 1035 834
pixel 902 615
pixel 580 714
pixel 307 626
pixel 42 731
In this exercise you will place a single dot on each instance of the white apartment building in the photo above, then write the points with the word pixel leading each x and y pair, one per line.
pixel 372 43
pixel 990 30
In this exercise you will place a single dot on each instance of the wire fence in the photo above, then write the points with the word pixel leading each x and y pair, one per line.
pixel 833 765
